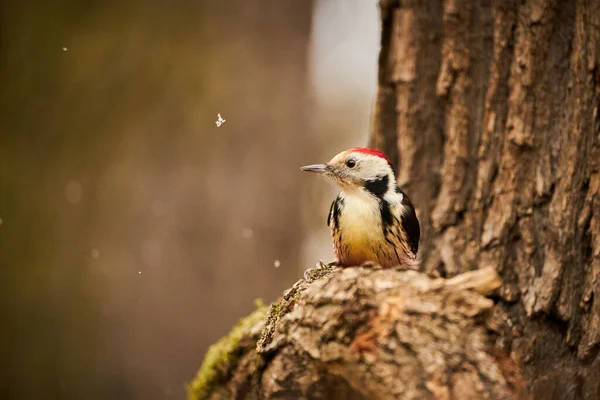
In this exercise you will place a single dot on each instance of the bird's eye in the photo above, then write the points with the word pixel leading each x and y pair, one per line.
pixel 350 163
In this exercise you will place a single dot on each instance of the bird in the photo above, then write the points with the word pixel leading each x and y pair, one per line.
pixel 371 220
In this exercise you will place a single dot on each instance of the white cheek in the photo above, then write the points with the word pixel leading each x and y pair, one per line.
pixel 369 169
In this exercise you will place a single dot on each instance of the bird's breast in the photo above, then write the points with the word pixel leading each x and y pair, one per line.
pixel 367 228
pixel 360 222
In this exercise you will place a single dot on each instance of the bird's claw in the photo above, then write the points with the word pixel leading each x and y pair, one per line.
pixel 311 273
pixel 307 273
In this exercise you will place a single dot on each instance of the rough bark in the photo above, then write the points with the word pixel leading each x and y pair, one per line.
pixel 366 333
pixel 490 110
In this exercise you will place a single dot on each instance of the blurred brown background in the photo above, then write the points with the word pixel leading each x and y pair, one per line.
pixel 133 231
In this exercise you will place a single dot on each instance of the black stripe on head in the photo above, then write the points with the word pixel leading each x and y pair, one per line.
pixel 378 186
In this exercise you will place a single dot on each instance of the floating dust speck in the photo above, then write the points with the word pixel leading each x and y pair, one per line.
pixel 247 233
pixel 139 272
pixel 65 49
pixel 0 221
pixel 95 253
pixel 276 264
pixel 220 121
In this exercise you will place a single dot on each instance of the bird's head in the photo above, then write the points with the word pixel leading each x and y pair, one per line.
pixel 356 169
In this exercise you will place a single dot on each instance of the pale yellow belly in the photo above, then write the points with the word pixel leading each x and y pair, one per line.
pixel 360 236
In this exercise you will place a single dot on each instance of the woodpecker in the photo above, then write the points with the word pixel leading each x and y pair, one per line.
pixel 371 219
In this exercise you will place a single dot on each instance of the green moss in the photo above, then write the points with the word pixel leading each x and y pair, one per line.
pixel 221 355
pixel 276 308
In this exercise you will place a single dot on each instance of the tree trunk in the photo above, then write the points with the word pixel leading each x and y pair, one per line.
pixel 490 111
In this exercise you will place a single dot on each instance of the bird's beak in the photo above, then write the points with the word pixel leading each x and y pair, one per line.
pixel 318 168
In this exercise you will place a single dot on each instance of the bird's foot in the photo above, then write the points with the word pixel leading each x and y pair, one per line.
pixel 333 264
pixel 320 270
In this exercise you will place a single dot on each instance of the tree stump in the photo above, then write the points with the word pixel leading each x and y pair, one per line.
pixel 366 333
